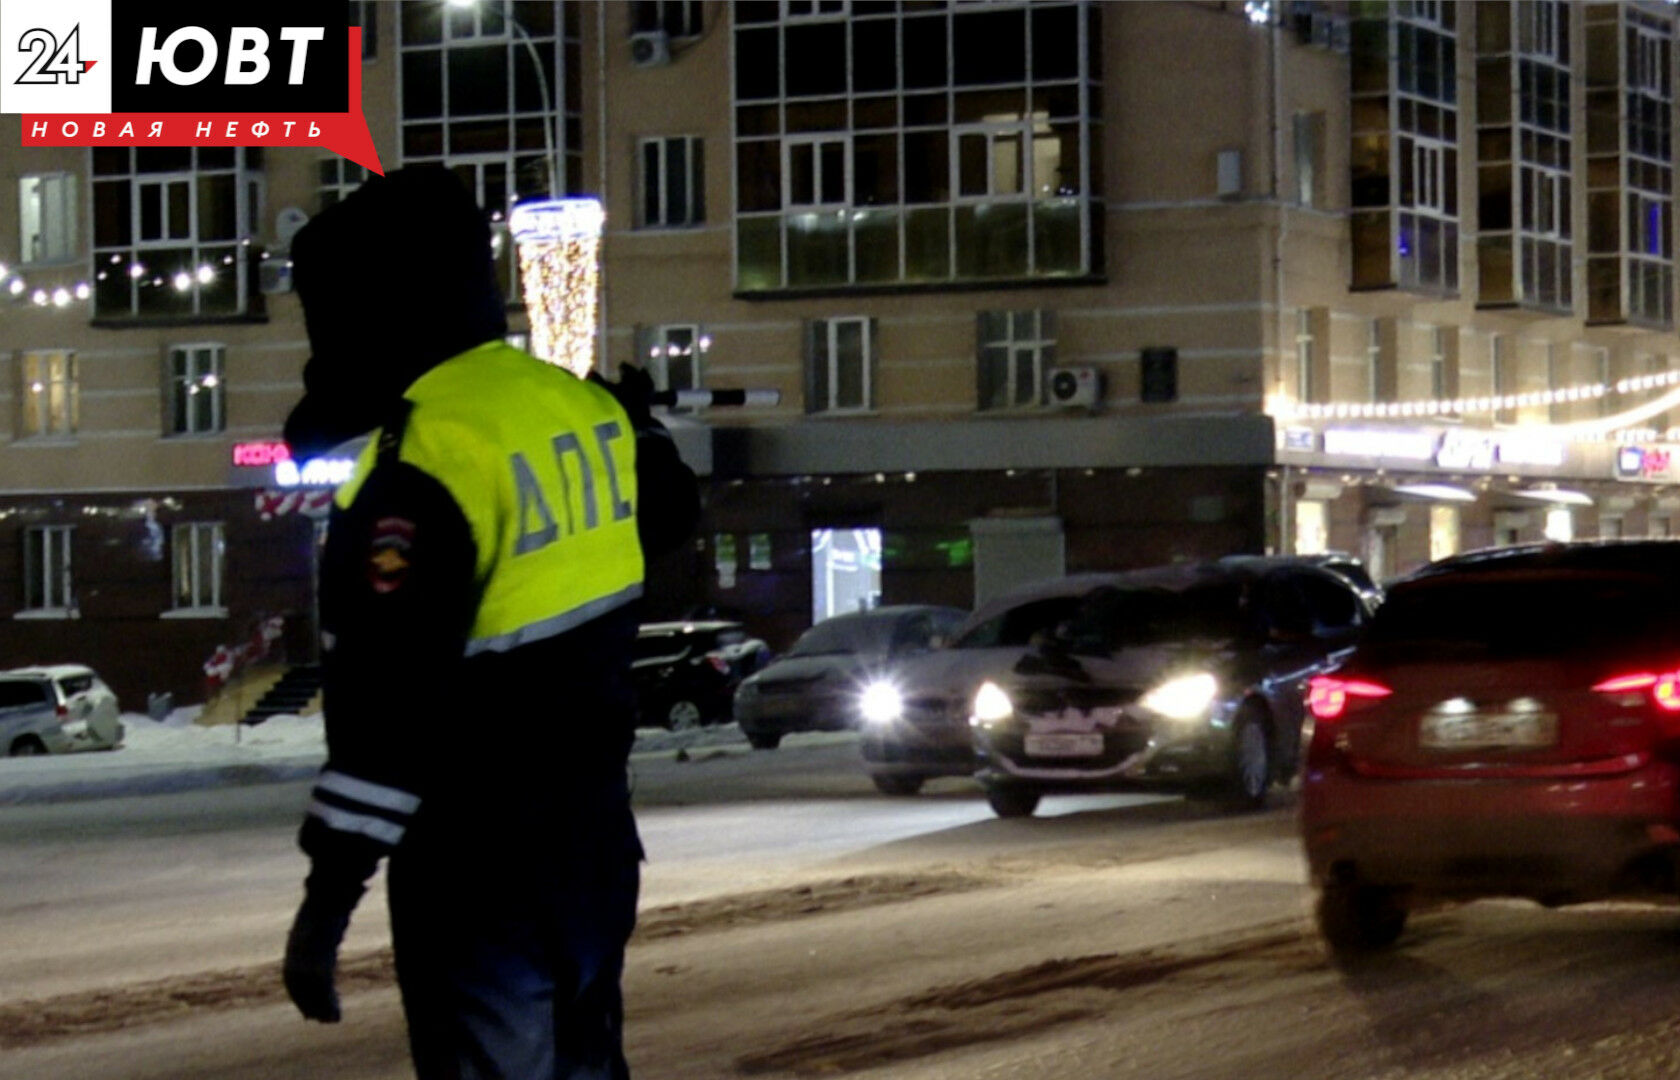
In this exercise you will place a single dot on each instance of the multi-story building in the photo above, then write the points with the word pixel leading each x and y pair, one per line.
pixel 1044 286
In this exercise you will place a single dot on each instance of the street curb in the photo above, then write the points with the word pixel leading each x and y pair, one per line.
pixel 163 780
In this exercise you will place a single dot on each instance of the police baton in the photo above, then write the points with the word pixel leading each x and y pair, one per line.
pixel 706 399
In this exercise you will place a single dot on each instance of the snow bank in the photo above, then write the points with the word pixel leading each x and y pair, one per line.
pixel 176 754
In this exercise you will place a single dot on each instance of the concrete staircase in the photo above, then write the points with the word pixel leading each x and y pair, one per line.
pixel 294 693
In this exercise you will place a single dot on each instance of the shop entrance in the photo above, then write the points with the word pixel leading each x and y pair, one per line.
pixel 845 571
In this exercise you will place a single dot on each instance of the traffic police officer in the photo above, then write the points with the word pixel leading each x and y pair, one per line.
pixel 478 606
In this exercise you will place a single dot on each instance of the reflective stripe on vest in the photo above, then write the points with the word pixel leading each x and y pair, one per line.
pixel 543 467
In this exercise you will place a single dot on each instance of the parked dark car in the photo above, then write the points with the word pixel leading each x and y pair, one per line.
pixel 815 685
pixel 1510 726
pixel 914 717
pixel 686 673
pixel 1184 678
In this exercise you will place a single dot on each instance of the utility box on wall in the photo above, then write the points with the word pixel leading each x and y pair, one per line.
pixel 1159 374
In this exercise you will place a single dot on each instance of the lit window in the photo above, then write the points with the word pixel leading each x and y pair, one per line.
pixel 1304 388
pixel 49 394
pixel 1312 528
pixel 196 390
pixel 1560 524
pixel 47 217
pixel 199 549
pixel 1443 531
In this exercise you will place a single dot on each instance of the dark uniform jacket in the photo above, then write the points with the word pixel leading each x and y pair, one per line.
pixel 494 763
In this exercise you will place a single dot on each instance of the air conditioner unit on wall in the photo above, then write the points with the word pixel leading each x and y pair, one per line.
pixel 650 48
pixel 1075 386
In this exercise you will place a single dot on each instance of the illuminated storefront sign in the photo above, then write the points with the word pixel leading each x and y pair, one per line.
pixel 1453 449
pixel 1530 450
pixel 269 452
pixel 1645 462
pixel 315 472
pixel 1465 450
pixel 1380 442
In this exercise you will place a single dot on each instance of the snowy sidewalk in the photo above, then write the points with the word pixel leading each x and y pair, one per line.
pixel 179 755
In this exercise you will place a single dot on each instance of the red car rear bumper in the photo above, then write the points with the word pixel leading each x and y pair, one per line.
pixel 1549 838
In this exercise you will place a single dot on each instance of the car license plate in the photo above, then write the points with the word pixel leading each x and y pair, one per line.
pixel 1477 731
pixel 1065 744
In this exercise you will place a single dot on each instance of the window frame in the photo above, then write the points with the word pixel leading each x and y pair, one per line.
pixel 48 426
pixel 127 262
pixel 69 221
pixel 830 329
pixel 689 17
pixel 195 531
pixel 56 567
pixel 1038 342
pixel 816 142
pixel 658 190
pixel 177 425
pixel 657 357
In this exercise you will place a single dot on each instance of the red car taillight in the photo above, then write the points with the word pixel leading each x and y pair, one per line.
pixel 1327 696
pixel 1663 686
pixel 719 664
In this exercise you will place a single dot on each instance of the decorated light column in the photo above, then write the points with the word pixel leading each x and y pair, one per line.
pixel 559 243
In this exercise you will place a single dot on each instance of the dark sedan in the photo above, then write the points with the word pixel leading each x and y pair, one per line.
pixel 685 673
pixel 1185 678
pixel 915 717
pixel 816 685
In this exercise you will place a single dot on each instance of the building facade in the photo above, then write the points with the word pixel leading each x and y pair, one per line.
pixel 1043 286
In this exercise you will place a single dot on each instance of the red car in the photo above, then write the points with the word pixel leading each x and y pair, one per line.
pixel 1509 726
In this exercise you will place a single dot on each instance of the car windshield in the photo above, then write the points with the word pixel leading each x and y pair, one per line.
pixel 841 636
pixel 1526 614
pixel 1115 619
pixel 1018 625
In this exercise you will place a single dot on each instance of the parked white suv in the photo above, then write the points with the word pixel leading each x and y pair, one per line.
pixel 87 708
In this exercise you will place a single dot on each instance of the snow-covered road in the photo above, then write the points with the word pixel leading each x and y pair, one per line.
pixel 796 924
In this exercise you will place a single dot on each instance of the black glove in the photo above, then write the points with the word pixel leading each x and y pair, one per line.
pixel 312 952
pixel 634 390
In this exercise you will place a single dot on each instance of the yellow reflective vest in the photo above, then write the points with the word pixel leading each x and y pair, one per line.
pixel 543 466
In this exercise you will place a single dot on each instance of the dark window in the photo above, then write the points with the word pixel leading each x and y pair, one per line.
pixel 816 59
pixel 924 52
pixel 874 56
pixel 478 81
pixel 989 47
pixel 1055 43
pixel 678 18
pixel 1528 614
pixel 15 692
pixel 1018 626
pixel 757 71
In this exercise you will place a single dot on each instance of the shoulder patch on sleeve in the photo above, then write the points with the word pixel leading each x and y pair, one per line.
pixel 388 553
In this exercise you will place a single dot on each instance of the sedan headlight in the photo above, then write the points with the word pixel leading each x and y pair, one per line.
pixel 1184 698
pixel 992 704
pixel 881 703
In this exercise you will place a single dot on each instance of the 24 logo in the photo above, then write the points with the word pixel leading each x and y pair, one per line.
pixel 52 63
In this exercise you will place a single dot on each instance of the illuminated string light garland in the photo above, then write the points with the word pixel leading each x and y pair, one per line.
pixel 1285 408
pixel 16 286
pixel 559 243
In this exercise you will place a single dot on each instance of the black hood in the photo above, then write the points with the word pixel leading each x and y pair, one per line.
pixel 394 280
